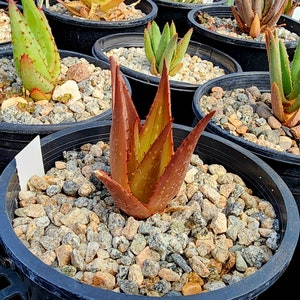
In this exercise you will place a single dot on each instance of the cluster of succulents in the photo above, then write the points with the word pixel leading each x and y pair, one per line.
pixel 284 79
pixel 164 46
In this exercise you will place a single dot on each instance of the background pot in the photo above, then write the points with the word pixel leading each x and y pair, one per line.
pixel 15 137
pixel 177 11
pixel 287 165
pixel 144 86
pixel 251 55
pixel 79 34
pixel 45 282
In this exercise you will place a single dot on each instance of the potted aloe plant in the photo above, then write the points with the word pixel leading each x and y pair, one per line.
pixel 192 64
pixel 41 83
pixel 234 29
pixel 280 89
pixel 76 26
pixel 143 166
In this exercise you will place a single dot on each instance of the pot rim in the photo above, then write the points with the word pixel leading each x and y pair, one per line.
pixel 225 11
pixel 260 76
pixel 81 22
pixel 255 284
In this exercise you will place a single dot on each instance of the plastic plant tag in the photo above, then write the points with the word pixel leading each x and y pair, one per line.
pixel 29 162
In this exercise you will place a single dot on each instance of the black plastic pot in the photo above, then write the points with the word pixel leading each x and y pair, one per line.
pixel 14 137
pixel 251 55
pixel 44 282
pixel 169 10
pixel 144 86
pixel 287 165
pixel 79 34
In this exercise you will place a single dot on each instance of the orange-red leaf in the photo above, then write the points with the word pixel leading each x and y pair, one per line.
pixel 149 170
pixel 170 182
pixel 123 198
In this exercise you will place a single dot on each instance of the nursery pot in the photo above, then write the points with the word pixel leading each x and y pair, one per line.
pixel 44 282
pixel 251 55
pixel 177 11
pixel 287 165
pixel 15 137
pixel 79 34
pixel 144 86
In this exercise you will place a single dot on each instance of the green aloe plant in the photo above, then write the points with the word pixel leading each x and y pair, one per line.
pixel 36 57
pixel 284 79
pixel 145 172
pixel 164 46
pixel 254 16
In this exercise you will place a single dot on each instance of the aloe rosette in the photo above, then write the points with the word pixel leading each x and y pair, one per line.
pixel 284 79
pixel 36 57
pixel 164 46
pixel 145 172
pixel 254 16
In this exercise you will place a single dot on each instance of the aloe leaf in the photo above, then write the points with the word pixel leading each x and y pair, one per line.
pixel 108 4
pixel 24 42
pixel 155 36
pixel 273 52
pixel 164 40
pixel 170 182
pixel 123 120
pixel 159 115
pixel 181 48
pixel 123 198
pixel 41 30
pixel 172 29
pixel 150 54
pixel 150 168
pixel 168 53
pixel 285 69
pixel 277 104
pixel 32 79
pixel 296 103
pixel 295 73
pixel 175 69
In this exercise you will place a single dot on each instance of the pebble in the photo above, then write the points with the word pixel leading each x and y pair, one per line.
pixel 194 69
pixel 88 85
pixel 182 251
pixel 254 123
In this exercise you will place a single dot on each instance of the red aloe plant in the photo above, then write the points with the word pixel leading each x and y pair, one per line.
pixel 146 173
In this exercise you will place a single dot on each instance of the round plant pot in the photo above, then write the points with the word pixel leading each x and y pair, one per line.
pixel 287 165
pixel 78 34
pixel 42 281
pixel 177 11
pixel 144 86
pixel 251 55
pixel 14 137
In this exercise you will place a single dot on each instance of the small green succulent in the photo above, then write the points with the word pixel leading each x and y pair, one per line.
pixel 164 46
pixel 284 79
pixel 36 57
